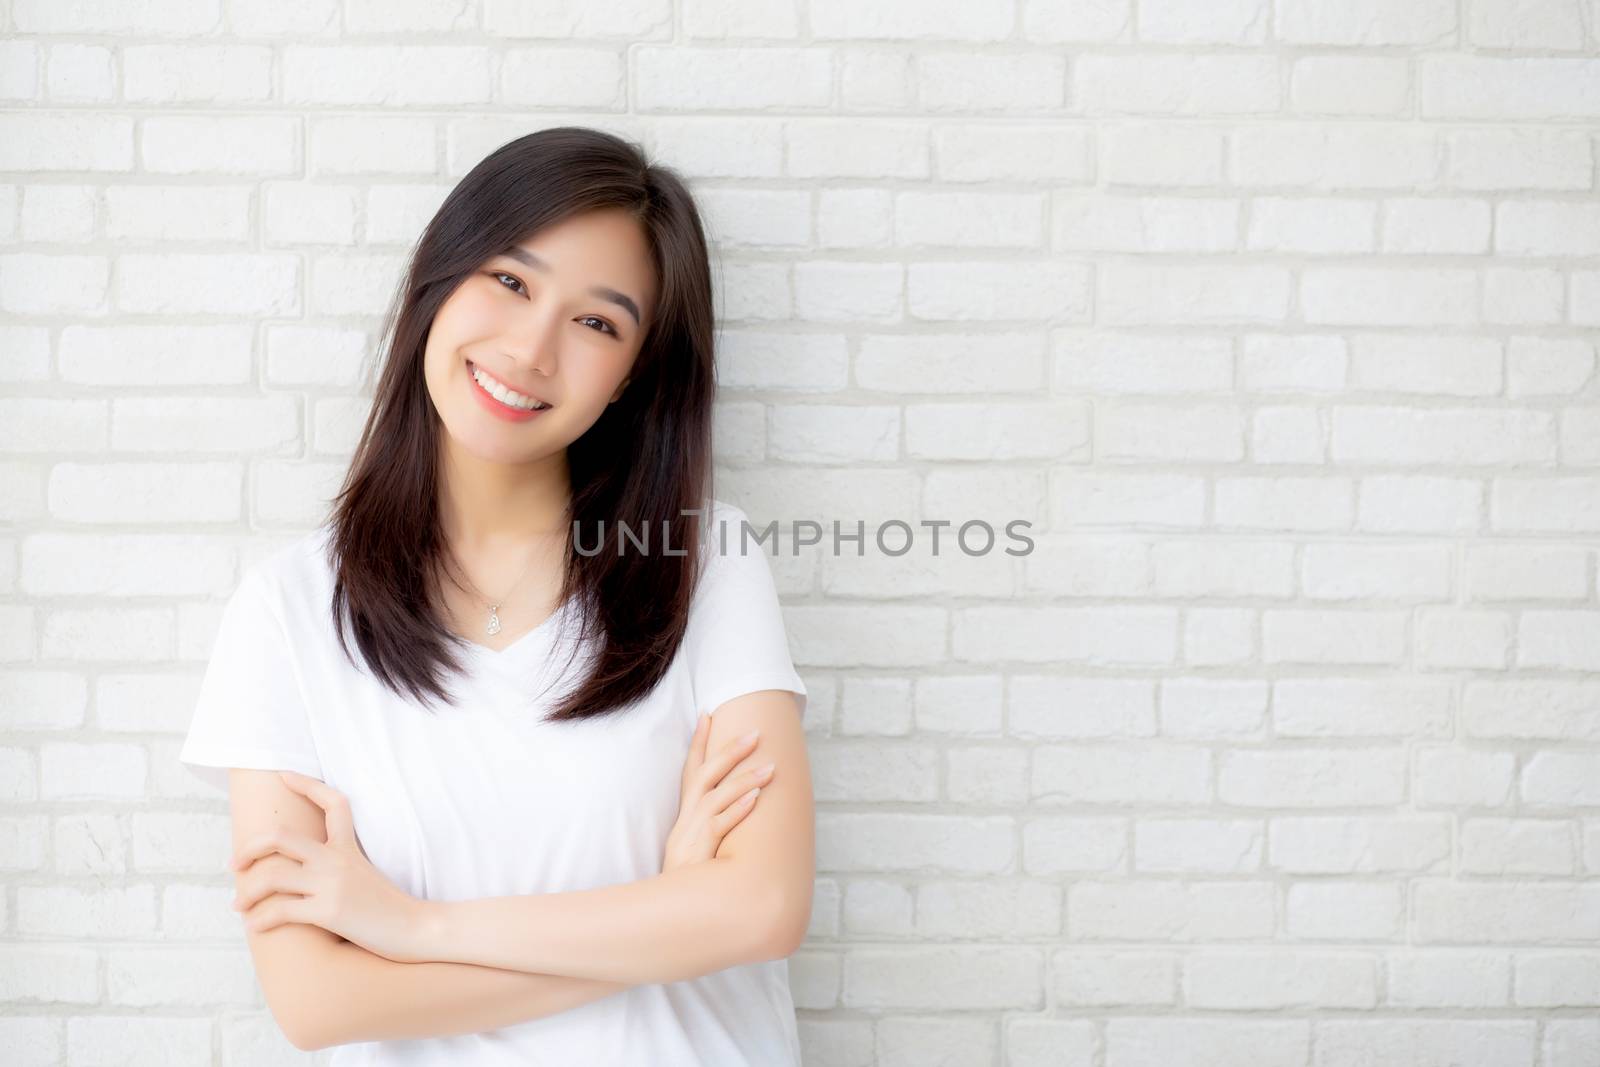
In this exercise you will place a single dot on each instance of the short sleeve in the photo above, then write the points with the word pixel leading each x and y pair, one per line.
pixel 736 642
pixel 251 711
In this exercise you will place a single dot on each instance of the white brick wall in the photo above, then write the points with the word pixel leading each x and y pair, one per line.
pixel 1277 318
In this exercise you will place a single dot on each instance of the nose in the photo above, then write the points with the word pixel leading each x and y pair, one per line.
pixel 533 346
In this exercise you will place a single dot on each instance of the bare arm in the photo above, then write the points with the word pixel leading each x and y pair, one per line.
pixel 324 990
pixel 305 971
pixel 669 927
pixel 749 903
pixel 415 1000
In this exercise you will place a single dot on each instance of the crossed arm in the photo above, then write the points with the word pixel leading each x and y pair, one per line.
pixel 504 960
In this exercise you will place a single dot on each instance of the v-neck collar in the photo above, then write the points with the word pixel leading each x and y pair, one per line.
pixel 512 651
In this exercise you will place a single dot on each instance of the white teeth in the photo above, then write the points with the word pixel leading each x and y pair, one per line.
pixel 504 395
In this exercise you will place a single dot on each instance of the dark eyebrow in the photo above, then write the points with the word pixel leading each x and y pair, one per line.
pixel 623 300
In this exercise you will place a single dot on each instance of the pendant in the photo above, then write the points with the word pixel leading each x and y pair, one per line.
pixel 494 621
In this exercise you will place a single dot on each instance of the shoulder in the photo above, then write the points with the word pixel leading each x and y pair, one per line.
pixel 721 513
pixel 292 576
pixel 736 555
pixel 729 532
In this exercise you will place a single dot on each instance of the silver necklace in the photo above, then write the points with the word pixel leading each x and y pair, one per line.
pixel 494 617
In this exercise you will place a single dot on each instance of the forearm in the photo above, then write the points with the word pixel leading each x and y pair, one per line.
pixel 680 924
pixel 362 996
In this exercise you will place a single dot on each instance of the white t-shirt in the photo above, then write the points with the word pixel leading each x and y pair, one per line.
pixel 485 800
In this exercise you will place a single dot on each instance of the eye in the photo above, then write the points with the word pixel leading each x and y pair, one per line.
pixel 498 274
pixel 612 330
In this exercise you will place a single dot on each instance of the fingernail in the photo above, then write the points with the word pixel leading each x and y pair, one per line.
pixel 751 736
pixel 763 771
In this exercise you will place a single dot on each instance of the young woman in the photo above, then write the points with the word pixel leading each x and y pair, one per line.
pixel 510 680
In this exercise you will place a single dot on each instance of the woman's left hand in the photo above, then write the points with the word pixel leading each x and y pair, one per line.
pixel 340 890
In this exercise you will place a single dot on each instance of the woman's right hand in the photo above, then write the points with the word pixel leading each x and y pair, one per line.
pixel 711 803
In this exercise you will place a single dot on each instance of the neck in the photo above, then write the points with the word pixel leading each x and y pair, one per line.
pixel 485 505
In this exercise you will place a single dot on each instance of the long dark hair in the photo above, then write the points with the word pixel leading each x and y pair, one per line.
pixel 646 461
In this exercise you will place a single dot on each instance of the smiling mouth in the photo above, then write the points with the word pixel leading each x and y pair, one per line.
pixel 500 392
